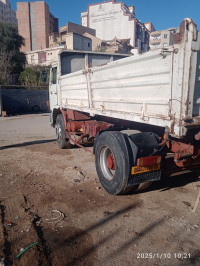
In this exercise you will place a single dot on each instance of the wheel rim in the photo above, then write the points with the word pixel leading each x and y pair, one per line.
pixel 107 167
pixel 58 132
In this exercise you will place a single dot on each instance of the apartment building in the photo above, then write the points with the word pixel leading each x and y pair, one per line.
pixel 162 38
pixel 149 26
pixel 112 19
pixel 35 23
pixel 7 14
pixel 79 29
pixel 74 37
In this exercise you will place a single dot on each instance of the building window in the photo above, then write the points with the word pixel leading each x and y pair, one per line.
pixel 42 57
pixel 165 36
pixel 88 44
pixel 164 44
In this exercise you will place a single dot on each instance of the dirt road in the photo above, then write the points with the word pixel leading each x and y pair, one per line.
pixel 52 198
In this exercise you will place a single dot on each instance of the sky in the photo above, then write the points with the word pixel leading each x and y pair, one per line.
pixel 163 14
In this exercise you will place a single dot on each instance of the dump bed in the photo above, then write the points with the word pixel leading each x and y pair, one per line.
pixel 159 87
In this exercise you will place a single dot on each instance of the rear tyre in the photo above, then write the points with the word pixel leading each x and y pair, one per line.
pixel 62 141
pixel 112 161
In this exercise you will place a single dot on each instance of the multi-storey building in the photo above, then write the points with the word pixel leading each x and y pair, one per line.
pixel 35 23
pixel 162 38
pixel 75 37
pixel 72 27
pixel 7 14
pixel 149 26
pixel 112 19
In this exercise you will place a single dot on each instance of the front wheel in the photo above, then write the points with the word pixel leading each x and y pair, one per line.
pixel 62 141
pixel 112 162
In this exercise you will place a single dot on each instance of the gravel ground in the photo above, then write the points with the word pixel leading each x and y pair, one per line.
pixel 53 199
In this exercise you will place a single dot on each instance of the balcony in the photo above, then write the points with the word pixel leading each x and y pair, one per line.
pixel 155 41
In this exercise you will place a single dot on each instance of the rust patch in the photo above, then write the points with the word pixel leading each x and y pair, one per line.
pixel 179 37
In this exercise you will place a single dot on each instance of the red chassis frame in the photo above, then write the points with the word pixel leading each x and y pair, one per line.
pixel 178 155
pixel 80 124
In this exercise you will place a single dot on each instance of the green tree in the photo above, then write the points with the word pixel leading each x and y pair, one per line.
pixel 35 77
pixel 12 61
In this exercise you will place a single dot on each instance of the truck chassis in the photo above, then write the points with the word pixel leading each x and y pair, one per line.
pixel 126 158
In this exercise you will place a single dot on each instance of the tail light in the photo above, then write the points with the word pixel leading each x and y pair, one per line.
pixel 147 161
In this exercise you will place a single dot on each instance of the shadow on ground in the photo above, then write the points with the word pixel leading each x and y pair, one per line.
pixel 29 143
pixel 169 182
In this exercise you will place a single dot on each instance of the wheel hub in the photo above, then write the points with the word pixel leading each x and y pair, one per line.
pixel 107 163
pixel 111 162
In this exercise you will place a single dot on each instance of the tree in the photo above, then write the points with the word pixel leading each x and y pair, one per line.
pixel 12 61
pixel 35 76
pixel 6 66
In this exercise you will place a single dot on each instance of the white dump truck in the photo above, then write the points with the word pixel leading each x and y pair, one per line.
pixel 142 112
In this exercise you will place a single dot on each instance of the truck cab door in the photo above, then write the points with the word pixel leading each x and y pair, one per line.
pixel 54 90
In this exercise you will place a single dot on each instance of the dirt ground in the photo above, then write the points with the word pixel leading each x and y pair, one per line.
pixel 53 199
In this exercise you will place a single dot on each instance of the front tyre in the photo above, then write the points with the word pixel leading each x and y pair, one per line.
pixel 112 161
pixel 62 141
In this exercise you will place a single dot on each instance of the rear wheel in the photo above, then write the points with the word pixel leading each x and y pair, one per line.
pixel 112 161
pixel 62 141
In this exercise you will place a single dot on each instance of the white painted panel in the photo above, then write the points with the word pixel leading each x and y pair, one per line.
pixel 74 90
pixel 139 85
pixel 159 87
